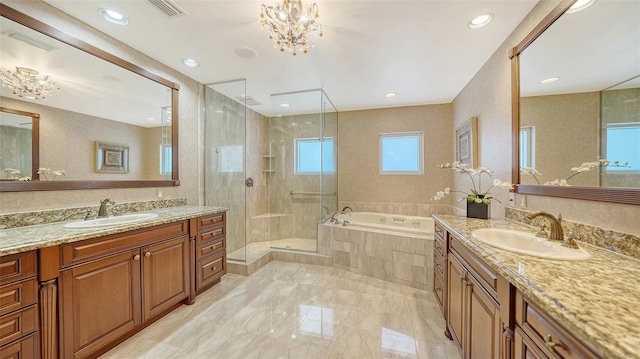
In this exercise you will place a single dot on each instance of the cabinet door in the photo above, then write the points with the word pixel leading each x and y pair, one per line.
pixel 524 347
pixel 165 275
pixel 101 303
pixel 455 299
pixel 482 320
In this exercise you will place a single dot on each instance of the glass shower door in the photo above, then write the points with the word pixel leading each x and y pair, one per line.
pixel 225 159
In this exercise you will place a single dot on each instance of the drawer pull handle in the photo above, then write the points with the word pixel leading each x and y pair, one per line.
pixel 148 254
pixel 213 268
pixel 136 257
pixel 549 343
pixel 463 277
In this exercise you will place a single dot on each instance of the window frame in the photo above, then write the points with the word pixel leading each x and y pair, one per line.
pixel 296 157
pixel 411 134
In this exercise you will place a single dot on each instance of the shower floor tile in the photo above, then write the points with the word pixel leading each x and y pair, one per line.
pixel 258 249
pixel 294 310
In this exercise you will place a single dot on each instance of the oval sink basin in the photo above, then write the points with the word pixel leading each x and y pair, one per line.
pixel 111 221
pixel 527 243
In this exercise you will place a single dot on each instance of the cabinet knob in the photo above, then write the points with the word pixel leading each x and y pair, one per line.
pixel 213 268
pixel 148 254
pixel 136 257
pixel 549 342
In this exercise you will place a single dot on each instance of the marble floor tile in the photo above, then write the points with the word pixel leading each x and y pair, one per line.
pixel 293 310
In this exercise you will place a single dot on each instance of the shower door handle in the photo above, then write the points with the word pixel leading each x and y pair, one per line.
pixel 248 182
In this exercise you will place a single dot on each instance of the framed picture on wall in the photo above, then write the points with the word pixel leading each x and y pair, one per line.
pixel 112 158
pixel 467 143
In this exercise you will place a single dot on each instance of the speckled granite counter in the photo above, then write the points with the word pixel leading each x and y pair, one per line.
pixel 23 239
pixel 596 299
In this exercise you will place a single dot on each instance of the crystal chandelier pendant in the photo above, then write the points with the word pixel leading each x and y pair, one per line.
pixel 25 82
pixel 291 26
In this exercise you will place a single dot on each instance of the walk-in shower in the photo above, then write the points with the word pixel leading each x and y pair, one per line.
pixel 275 172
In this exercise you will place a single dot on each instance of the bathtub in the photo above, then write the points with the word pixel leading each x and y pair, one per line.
pixel 411 226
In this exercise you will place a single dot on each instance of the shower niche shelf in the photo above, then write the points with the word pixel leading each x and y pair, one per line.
pixel 268 163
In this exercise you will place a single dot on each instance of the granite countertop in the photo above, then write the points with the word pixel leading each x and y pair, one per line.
pixel 596 299
pixel 22 239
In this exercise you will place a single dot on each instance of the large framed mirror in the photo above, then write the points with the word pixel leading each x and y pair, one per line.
pixel 576 103
pixel 96 112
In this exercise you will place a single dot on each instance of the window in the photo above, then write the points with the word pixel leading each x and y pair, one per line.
pixel 166 164
pixel 313 155
pixel 528 146
pixel 401 153
pixel 623 145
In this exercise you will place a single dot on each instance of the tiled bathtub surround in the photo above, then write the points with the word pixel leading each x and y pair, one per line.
pixel 407 209
pixel 394 258
pixel 21 219
pixel 619 242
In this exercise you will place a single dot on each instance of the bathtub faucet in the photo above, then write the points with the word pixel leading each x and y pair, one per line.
pixel 333 218
pixel 344 210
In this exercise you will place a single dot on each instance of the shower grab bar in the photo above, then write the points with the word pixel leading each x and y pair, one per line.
pixel 312 193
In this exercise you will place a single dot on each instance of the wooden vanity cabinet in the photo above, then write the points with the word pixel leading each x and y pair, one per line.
pixel 473 318
pixel 210 247
pixel 19 306
pixel 539 336
pixel 440 245
pixel 111 285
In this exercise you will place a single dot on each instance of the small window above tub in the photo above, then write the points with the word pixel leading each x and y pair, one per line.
pixel 402 153
pixel 314 155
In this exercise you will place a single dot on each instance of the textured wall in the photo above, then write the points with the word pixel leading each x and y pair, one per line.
pixel 189 112
pixel 488 96
pixel 15 150
pixel 358 155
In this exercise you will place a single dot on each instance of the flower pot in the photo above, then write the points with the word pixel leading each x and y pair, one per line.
pixel 477 210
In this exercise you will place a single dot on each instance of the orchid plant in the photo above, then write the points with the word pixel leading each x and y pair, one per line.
pixel 16 174
pixel 46 172
pixel 585 167
pixel 476 194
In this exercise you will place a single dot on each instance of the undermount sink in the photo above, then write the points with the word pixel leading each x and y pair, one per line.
pixel 527 243
pixel 111 221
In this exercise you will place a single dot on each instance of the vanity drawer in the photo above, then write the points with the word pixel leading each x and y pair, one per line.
pixel 438 289
pixel 26 348
pixel 438 232
pixel 541 329
pixel 16 325
pixel 211 220
pixel 209 270
pixel 208 248
pixel 18 295
pixel 211 234
pixel 18 266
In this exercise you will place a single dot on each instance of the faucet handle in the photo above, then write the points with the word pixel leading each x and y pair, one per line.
pixel 88 216
pixel 543 231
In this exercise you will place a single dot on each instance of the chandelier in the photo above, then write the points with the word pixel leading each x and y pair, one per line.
pixel 290 25
pixel 25 82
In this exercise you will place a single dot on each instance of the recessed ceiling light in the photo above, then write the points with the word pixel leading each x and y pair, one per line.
pixel 190 62
pixel 480 21
pixel 390 94
pixel 580 5
pixel 284 105
pixel 549 80
pixel 151 119
pixel 113 16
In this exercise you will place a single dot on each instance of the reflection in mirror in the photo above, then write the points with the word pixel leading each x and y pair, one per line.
pixel 97 98
pixel 568 123
pixel 18 140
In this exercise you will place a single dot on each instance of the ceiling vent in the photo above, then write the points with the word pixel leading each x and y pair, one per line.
pixel 248 100
pixel 30 40
pixel 168 7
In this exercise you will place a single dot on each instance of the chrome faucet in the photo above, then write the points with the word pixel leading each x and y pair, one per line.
pixel 344 210
pixel 555 230
pixel 103 207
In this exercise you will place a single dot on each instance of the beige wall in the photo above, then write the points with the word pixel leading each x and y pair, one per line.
pixel 189 111
pixel 488 96
pixel 359 178
pixel 567 132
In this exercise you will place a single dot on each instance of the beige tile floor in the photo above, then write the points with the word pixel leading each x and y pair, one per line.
pixel 293 310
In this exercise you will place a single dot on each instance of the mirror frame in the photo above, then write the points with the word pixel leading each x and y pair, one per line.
pixel 36 185
pixel 35 138
pixel 602 194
